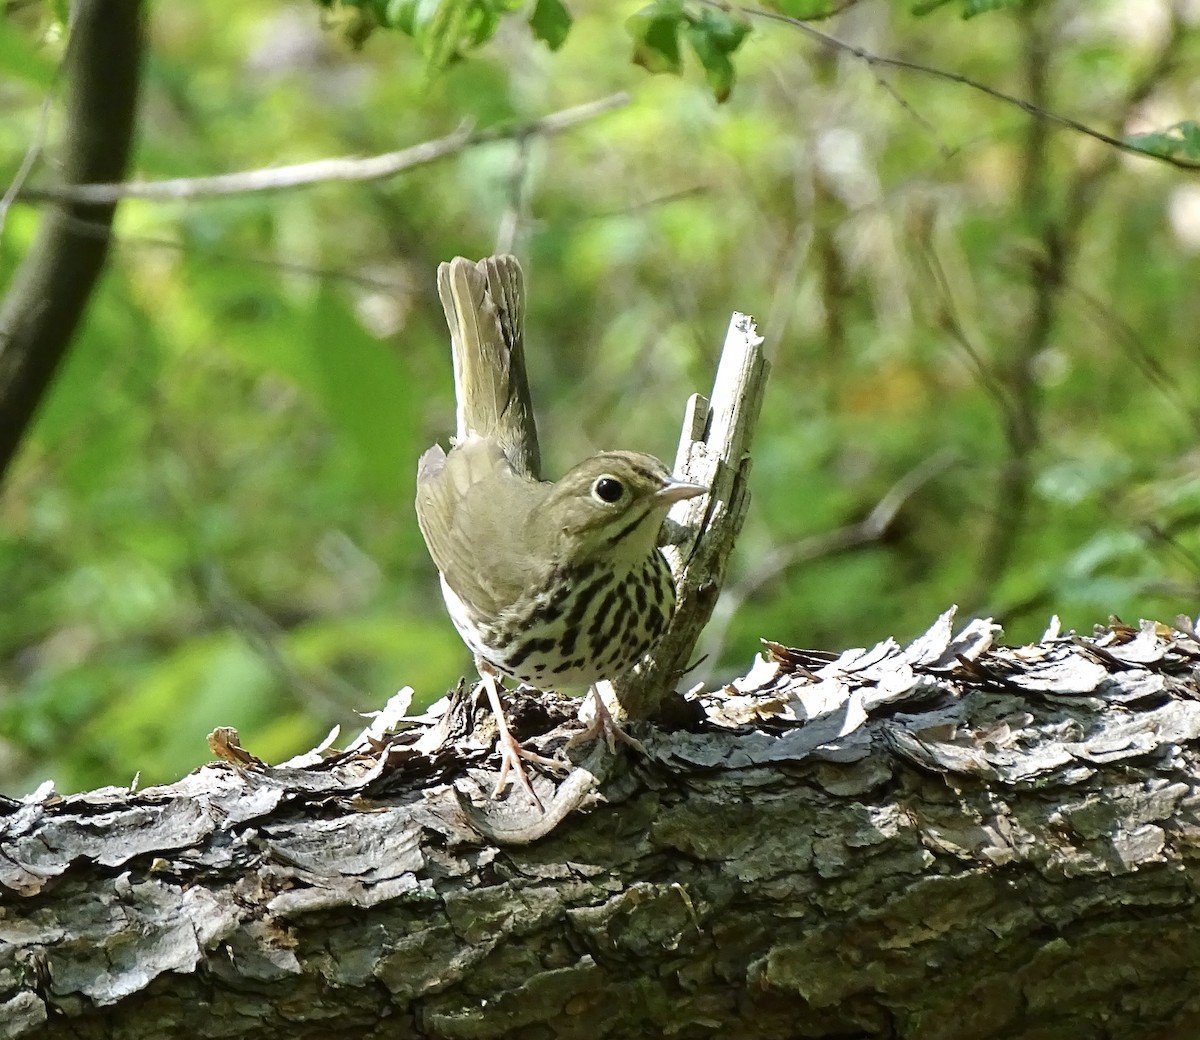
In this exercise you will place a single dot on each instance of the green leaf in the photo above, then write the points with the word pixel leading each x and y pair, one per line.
pixel 353 22
pixel 402 15
pixel 806 10
pixel 21 59
pixel 445 28
pixel 440 35
pixel 550 22
pixel 970 8
pixel 1181 141
pixel 973 7
pixel 655 31
pixel 714 36
pixel 482 21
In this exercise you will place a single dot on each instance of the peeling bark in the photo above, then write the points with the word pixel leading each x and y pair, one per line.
pixel 947 840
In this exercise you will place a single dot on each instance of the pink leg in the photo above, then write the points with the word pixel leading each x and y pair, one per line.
pixel 511 752
pixel 604 725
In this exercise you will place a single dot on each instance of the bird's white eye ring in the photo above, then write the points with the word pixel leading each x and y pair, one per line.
pixel 608 489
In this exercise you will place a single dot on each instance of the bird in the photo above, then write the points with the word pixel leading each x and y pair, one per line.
pixel 557 584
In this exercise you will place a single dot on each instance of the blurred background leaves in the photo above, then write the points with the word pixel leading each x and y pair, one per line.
pixel 211 521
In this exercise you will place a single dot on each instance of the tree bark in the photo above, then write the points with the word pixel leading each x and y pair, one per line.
pixel 49 292
pixel 949 839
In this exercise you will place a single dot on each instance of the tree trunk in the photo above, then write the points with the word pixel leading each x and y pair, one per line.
pixel 944 840
pixel 50 290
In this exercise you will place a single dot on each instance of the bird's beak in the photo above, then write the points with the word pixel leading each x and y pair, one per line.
pixel 677 491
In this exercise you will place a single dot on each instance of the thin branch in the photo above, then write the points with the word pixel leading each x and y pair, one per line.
pixel 516 211
pixel 1138 351
pixel 348 276
pixel 323 692
pixel 833 279
pixel 32 153
pixel 1030 108
pixel 1083 191
pixel 323 171
pixel 945 150
pixel 949 321
pixel 1156 534
pixel 1059 234
pixel 666 199
pixel 783 294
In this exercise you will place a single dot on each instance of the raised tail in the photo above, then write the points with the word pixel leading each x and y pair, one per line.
pixel 485 309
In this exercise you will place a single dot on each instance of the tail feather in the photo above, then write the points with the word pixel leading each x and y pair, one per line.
pixel 485 309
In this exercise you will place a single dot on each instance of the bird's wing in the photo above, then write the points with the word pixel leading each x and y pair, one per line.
pixel 475 512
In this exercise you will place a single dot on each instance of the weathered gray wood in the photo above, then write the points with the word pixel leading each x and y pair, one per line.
pixel 948 839
pixel 714 450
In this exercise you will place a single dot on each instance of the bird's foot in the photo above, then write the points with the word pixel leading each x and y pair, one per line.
pixel 513 758
pixel 602 724
pixel 511 752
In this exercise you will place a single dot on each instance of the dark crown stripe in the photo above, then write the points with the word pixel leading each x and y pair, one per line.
pixel 645 471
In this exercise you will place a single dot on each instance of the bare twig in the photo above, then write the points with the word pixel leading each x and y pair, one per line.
pixel 1031 108
pixel 714 449
pixel 516 211
pixel 31 153
pixel 641 206
pixel 1156 534
pixel 322 691
pixel 323 171
pixel 1022 413
pixel 1139 352
pixel 783 295
pixel 925 124
pixel 349 275
pixel 948 320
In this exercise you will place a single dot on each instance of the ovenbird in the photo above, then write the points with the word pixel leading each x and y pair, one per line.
pixel 556 584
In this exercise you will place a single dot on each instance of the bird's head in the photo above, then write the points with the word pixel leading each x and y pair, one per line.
pixel 613 504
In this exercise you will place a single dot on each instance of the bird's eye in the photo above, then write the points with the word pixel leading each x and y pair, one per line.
pixel 608 489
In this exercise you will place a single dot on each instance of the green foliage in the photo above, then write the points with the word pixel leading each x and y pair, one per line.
pixel 970 8
pixel 444 29
pixel 550 22
pixel 807 10
pixel 655 31
pixel 21 58
pixel 712 34
pixel 211 521
pixel 1181 141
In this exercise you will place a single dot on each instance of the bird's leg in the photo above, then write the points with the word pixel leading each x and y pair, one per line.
pixel 511 752
pixel 604 725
